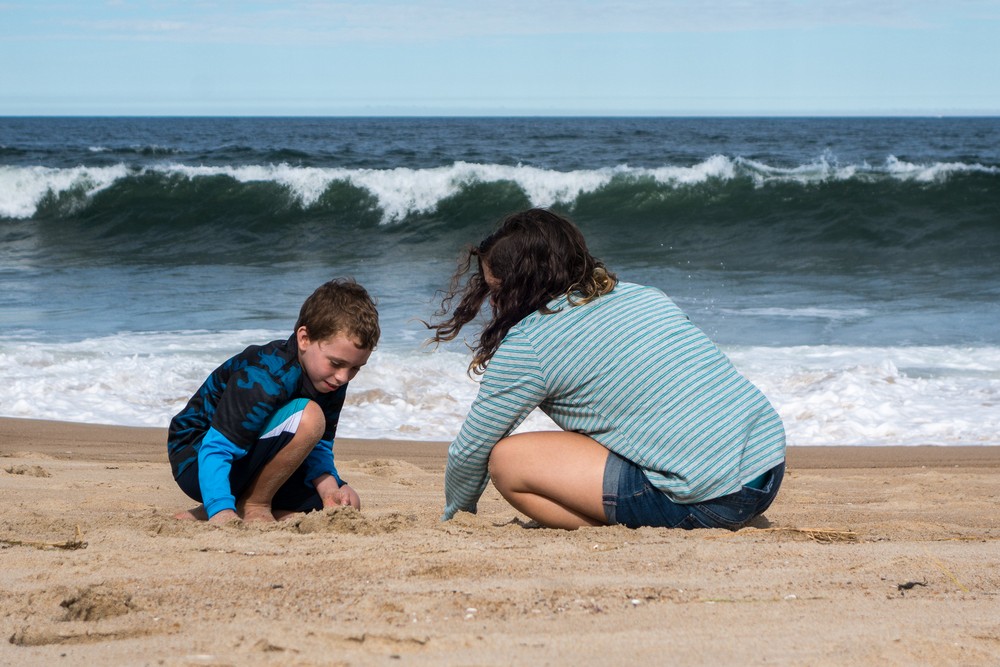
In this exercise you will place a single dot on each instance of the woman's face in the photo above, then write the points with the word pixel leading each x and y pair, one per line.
pixel 492 282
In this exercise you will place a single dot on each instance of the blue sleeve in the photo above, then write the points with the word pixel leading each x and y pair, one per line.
pixel 320 462
pixel 215 461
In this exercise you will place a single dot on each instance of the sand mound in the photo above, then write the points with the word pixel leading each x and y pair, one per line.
pixel 349 520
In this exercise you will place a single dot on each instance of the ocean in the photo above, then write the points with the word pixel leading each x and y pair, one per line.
pixel 848 266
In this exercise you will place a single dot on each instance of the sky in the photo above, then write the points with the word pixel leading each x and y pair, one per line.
pixel 500 57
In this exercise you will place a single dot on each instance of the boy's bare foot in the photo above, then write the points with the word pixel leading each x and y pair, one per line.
pixel 257 513
pixel 194 514
pixel 225 518
pixel 283 515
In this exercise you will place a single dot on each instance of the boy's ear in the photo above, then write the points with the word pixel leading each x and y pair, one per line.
pixel 302 337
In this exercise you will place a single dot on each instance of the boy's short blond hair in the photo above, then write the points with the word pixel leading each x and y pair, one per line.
pixel 341 306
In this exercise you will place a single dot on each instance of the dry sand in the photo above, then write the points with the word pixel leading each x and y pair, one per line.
pixel 869 556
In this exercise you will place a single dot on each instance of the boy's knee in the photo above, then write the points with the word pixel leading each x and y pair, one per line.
pixel 313 422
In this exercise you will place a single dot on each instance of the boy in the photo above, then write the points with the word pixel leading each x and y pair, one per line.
pixel 255 442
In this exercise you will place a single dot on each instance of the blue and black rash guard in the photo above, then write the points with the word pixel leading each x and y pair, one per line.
pixel 225 417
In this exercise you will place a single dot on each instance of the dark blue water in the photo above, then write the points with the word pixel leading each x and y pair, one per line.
pixel 767 231
pixel 550 143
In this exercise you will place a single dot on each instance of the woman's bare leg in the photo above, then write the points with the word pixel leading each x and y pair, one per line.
pixel 554 477
pixel 255 503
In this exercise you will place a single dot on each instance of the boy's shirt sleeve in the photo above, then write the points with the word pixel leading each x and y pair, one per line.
pixel 320 462
pixel 512 387
pixel 215 461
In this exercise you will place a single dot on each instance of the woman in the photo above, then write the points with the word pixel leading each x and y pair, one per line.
pixel 659 429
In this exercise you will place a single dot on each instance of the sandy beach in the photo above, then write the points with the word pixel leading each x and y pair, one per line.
pixel 869 556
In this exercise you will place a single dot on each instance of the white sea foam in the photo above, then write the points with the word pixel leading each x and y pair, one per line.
pixel 826 168
pixel 307 183
pixel 822 169
pixel 826 395
pixel 22 189
pixel 935 172
pixel 880 396
pixel 717 166
pixel 402 191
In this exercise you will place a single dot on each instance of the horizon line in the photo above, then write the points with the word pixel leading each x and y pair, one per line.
pixel 688 114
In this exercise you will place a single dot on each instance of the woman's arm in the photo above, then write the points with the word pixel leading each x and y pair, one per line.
pixel 512 387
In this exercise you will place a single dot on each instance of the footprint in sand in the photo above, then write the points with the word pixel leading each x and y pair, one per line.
pixel 400 472
pixel 30 471
pixel 97 602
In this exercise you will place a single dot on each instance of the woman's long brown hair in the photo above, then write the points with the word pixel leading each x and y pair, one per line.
pixel 536 255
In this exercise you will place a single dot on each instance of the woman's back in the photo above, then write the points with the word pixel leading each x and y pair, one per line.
pixel 630 370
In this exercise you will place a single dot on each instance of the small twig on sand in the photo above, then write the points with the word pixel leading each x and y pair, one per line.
pixel 69 545
pixel 824 535
pixel 946 571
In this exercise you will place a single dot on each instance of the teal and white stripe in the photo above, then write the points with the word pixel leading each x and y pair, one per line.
pixel 631 371
pixel 286 419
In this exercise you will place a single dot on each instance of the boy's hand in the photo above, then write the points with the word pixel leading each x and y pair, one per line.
pixel 224 516
pixel 336 496
pixel 345 495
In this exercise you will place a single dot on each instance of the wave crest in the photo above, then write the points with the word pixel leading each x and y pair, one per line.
pixel 403 192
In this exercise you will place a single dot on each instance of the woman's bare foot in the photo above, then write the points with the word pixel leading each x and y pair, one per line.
pixel 194 514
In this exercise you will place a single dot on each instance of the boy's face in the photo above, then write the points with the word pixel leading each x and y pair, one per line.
pixel 332 362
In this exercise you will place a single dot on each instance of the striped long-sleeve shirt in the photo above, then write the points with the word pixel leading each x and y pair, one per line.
pixel 631 371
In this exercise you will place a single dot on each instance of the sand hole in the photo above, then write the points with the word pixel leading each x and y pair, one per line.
pixel 97 602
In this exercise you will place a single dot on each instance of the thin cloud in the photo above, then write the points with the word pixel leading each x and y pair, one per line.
pixel 317 22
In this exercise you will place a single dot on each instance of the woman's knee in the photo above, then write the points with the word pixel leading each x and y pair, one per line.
pixel 501 458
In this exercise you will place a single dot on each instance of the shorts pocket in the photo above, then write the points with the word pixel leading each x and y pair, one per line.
pixel 733 511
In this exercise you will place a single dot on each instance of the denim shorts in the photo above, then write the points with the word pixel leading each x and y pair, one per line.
pixel 631 500
pixel 297 494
